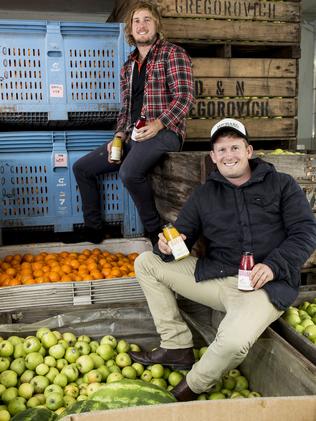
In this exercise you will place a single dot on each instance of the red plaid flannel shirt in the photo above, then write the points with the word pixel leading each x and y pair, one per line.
pixel 168 90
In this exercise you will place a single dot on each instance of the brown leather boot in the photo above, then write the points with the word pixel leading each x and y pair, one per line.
pixel 177 359
pixel 183 393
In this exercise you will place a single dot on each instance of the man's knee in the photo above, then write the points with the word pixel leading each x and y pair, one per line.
pixel 234 345
pixel 143 261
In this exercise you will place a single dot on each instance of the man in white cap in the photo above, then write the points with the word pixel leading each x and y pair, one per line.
pixel 245 205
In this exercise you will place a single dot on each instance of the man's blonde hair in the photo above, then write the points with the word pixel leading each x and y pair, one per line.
pixel 142 5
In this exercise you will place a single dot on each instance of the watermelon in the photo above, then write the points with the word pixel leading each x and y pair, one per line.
pixel 35 414
pixel 131 393
pixel 83 406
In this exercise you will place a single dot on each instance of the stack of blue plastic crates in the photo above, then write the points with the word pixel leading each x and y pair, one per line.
pixel 58 75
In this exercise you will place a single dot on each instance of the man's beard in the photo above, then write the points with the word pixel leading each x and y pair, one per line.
pixel 147 42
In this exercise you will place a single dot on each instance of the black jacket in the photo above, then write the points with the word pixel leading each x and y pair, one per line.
pixel 269 215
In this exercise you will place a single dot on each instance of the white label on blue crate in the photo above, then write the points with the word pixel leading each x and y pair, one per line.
pixel 56 91
pixel 60 160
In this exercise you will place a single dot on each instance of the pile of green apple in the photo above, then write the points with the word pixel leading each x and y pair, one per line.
pixel 303 319
pixel 53 370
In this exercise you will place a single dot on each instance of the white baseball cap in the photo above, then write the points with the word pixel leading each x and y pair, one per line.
pixel 228 124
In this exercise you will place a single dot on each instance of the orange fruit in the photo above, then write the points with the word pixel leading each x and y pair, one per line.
pixel 74 263
pixel 38 273
pixel 86 252
pixel 53 276
pixel 37 265
pixel 11 271
pixel 131 274
pixel 106 271
pixel 132 256
pixel 116 272
pixel 66 268
pixel 8 258
pixel 96 251
pixel 97 274
pixel 28 258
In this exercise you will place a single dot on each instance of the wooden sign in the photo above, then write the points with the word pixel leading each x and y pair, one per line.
pixel 241 107
pixel 182 30
pixel 231 9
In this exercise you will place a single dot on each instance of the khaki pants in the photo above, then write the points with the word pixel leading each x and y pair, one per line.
pixel 247 314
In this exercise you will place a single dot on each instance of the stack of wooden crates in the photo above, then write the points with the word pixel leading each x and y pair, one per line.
pixel 245 63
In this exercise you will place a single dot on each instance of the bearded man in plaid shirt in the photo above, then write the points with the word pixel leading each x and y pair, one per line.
pixel 157 82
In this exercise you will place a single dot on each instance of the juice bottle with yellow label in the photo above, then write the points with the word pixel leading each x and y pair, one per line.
pixel 116 150
pixel 175 242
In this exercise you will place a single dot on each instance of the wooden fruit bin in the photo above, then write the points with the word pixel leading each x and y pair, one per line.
pixel 119 286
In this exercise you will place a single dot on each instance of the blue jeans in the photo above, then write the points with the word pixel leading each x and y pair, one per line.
pixel 139 158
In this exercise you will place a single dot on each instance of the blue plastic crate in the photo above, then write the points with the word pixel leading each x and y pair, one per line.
pixel 51 70
pixel 38 187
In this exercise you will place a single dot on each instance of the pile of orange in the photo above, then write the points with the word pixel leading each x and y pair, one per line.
pixel 65 266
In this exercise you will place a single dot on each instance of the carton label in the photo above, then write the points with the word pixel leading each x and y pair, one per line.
pixel 178 248
pixel 244 280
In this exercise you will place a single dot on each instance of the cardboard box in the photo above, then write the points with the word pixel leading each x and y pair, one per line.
pixel 301 408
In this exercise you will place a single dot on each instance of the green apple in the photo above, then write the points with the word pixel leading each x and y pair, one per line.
pixel 33 402
pixel 236 395
pixel 115 369
pixel 40 332
pixel 202 351
pixel 217 387
pixel 123 359
pixel 53 388
pixel 105 351
pixel 2 389
pixel 60 364
pixel 310 332
pixel 245 392
pixel 27 376
pixel 293 319
pixel 9 394
pixel 122 346
pixel 17 405
pixel 71 372
pixel 41 398
pixel 104 371
pixel 8 378
pixel 59 411
pixel 97 360
pixel 93 387
pixel 216 395
pixel 157 371
pixel 68 400
pixel 160 382
pixel 307 322
pixel 70 338
pixel 94 376
pixel 146 376
pixel 33 359
pixel 31 344
pixel 15 340
pixel 72 354
pixel 6 348
pixel 4 363
pixel 54 401
pixel 18 366
pixel 229 382
pixel 166 373
pixel 254 395
pixel 110 340
pixel 234 372
pixel 48 339
pixel 83 347
pixel 175 378
pixel 299 328
pixel 226 392
pixel 114 377
pixel 83 389
pixel 129 372
pixel 110 363
pixel 42 369
pixel 61 380
pixel 84 364
pixel 72 389
pixel 63 343
pixel 4 415
pixel 26 390
pixel 52 374
pixel 139 368
pixel 57 334
pixel 19 351
pixel 82 398
pixel 40 383
pixel 303 315
pixel 134 348
pixel 241 383
pixel 94 345
pixel 202 397
pixel 57 351
pixel 84 338
pixel 50 361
